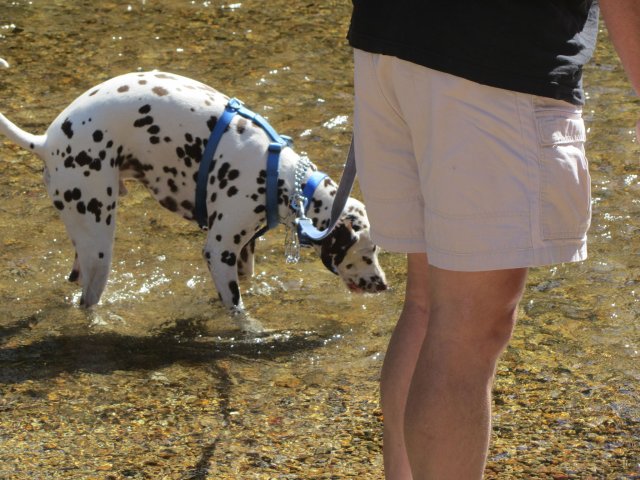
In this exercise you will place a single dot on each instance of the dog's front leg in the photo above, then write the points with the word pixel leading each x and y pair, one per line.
pixel 222 260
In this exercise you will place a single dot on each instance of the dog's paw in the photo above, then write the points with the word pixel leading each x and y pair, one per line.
pixel 247 323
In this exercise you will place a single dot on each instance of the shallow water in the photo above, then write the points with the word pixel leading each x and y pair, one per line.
pixel 156 382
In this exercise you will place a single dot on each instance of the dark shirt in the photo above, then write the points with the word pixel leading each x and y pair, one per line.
pixel 530 46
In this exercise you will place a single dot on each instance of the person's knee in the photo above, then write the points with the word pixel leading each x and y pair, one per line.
pixel 497 331
pixel 475 313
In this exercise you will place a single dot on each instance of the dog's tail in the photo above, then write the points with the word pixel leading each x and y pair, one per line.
pixel 34 143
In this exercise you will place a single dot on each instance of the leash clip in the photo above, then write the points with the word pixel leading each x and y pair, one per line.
pixel 291 245
pixel 292 241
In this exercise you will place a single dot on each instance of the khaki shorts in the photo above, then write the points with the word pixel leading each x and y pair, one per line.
pixel 477 177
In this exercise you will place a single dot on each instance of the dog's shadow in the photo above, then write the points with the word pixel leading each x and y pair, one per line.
pixel 185 341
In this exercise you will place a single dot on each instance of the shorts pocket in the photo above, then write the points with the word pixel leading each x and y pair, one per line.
pixel 565 190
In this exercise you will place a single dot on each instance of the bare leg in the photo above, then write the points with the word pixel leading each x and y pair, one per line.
pixel 448 409
pixel 399 363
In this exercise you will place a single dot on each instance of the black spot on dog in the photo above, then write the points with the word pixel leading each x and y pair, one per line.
pixel 67 128
pixel 145 108
pixel 133 164
pixel 169 203
pixel 74 275
pixel 71 195
pixel 232 191
pixel 124 88
pixel 58 204
pixel 82 209
pixel 143 122
pixel 83 159
pixel 193 150
pixel 100 255
pixel 98 136
pixel 235 292
pixel 95 206
pixel 172 170
pixel 211 123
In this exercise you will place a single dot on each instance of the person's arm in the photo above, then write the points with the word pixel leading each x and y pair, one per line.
pixel 622 18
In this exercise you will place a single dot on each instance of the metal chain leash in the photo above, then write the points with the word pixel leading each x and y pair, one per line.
pixel 298 200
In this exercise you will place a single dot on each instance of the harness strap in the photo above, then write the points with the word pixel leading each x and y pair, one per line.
pixel 306 231
pixel 234 107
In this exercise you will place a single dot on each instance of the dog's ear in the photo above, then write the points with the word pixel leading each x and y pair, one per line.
pixel 334 248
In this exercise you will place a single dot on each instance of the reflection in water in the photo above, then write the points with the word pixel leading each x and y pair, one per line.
pixel 156 381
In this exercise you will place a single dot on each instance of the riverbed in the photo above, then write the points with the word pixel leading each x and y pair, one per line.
pixel 157 382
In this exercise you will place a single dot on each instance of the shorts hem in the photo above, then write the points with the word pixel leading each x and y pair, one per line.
pixel 398 245
pixel 477 262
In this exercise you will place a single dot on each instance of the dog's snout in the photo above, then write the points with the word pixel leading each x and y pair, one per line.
pixel 372 284
pixel 378 284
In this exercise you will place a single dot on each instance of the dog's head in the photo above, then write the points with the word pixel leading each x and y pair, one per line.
pixel 349 252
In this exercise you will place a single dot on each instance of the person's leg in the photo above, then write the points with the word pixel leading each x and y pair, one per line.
pixel 399 363
pixel 448 411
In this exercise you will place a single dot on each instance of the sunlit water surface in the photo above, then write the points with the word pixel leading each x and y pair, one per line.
pixel 156 382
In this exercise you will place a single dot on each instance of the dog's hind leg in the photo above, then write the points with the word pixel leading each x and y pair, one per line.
pixel 88 211
pixel 94 251
pixel 74 276
pixel 246 260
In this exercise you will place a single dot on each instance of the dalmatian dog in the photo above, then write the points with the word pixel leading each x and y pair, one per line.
pixel 153 127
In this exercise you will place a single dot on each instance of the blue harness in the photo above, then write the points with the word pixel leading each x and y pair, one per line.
pixel 278 142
